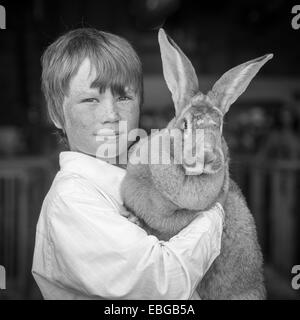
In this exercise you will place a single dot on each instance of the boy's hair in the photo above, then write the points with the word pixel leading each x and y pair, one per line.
pixel 117 66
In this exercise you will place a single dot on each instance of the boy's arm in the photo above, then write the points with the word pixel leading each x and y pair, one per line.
pixel 99 253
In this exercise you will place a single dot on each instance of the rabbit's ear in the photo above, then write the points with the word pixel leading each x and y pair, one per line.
pixel 178 71
pixel 234 82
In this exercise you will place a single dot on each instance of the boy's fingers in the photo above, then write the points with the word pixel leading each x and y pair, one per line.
pixel 130 216
pixel 134 220
pixel 125 213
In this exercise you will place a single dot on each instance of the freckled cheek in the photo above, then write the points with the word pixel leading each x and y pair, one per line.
pixel 131 115
pixel 80 120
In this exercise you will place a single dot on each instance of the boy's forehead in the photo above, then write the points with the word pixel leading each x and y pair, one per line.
pixel 84 77
pixel 83 80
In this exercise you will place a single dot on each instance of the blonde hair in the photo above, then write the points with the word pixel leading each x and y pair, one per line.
pixel 116 62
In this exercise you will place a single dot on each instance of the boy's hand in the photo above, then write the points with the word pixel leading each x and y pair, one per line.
pixel 131 217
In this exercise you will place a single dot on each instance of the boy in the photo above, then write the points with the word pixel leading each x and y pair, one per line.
pixel 86 248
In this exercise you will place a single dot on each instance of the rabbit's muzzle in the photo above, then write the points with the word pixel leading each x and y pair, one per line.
pixel 213 154
pixel 203 135
pixel 213 161
pixel 209 159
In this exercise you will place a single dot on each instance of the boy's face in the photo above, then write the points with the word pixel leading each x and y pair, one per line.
pixel 88 113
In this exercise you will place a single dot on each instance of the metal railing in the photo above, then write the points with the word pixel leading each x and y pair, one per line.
pixel 23 185
pixel 271 188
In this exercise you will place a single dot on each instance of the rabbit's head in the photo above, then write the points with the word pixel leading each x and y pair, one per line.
pixel 195 110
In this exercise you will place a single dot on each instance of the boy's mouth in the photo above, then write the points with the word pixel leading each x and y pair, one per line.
pixel 107 133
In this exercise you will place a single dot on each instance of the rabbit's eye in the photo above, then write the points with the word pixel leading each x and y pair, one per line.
pixel 185 124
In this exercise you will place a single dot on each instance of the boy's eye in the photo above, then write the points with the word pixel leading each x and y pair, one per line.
pixel 124 98
pixel 90 100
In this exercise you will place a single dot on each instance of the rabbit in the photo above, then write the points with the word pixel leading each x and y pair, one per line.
pixel 166 197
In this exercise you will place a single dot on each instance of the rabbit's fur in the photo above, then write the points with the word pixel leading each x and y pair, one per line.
pixel 166 198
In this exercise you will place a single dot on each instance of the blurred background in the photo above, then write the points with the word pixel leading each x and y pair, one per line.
pixel 262 128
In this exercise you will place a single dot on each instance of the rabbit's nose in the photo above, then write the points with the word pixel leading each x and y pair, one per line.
pixel 209 157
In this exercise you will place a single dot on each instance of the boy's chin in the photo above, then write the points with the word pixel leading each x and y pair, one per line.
pixel 111 153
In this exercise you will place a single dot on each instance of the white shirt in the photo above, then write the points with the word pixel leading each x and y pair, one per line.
pixel 85 249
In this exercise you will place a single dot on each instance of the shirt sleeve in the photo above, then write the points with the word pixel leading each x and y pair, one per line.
pixel 99 253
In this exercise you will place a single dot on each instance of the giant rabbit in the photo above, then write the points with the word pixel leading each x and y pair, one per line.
pixel 167 196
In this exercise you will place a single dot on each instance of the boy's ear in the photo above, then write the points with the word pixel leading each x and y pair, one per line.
pixel 56 122
pixel 178 71
pixel 57 125
pixel 234 82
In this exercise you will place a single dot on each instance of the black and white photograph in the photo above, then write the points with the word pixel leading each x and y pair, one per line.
pixel 149 150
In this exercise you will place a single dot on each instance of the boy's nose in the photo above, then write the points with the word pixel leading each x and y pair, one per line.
pixel 111 112
pixel 112 116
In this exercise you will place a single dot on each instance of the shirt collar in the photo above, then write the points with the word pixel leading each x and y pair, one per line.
pixel 105 176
